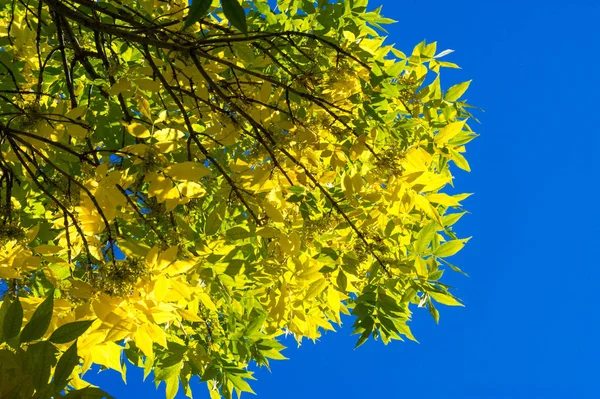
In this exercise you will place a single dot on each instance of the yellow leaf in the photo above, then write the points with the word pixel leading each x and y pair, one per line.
pixel 161 285
pixel 119 87
pixel 108 355
pixel 143 106
pixel 171 203
pixel 148 84
pixel 278 311
pixel 316 288
pixel 189 316
pixel 285 244
pixel 179 291
pixel 265 92
pixel 76 112
pixel 450 248
pixel 132 247
pixel 161 187
pixel 422 203
pixel 187 171
pixel 152 256
pixel 167 257
pixel 421 267
pixel 206 301
pixel 180 266
pixel 191 189
pixel 138 130
pixel 448 132
pixel 213 392
pixel 157 334
pixel 443 199
pixel 333 299
pixel 459 160
pixel 162 116
pixel 102 307
pixel 81 289
pixel 47 249
pixel 239 166
pixel 273 212
pixel 357 182
pixel 416 159
pixel 456 91
pixel 143 341
pixel 268 232
pixel 172 386
pixel 120 331
pixel 168 134
pixel 77 131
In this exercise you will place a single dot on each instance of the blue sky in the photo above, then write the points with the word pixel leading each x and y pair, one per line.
pixel 530 327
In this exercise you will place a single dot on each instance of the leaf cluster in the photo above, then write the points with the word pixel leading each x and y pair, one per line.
pixel 203 180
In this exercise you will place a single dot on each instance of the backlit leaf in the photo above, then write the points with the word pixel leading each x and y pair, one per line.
pixel 445 299
pixel 456 91
pixel 450 248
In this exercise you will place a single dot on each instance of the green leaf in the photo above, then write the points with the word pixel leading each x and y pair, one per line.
pixel 235 14
pixel 456 91
pixel 436 275
pixel 148 363
pixel 3 310
pixel 163 374
pixel 255 325
pixel 65 366
pixel 37 326
pixel 238 233
pixel 450 248
pixel 88 393
pixel 455 268
pixel 433 311
pixel 42 356
pixel 12 321
pixel 239 383
pixel 363 338
pixel 198 9
pixel 214 221
pixel 70 331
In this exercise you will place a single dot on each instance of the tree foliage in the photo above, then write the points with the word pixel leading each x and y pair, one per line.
pixel 186 184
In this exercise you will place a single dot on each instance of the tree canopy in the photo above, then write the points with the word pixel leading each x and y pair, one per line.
pixel 182 185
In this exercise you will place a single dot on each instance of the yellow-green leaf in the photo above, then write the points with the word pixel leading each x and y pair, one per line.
pixel 445 299
pixel 450 248
pixel 456 91
pixel 448 132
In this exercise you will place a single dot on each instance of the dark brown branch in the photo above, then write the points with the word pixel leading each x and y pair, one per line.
pixel 18 152
pixel 81 157
pixel 257 126
pixel 67 71
pixel 191 131
pixel 82 187
pixel 139 213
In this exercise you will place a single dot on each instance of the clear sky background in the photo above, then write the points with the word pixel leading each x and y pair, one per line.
pixel 530 325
